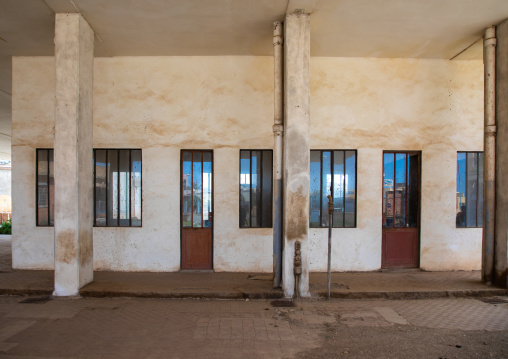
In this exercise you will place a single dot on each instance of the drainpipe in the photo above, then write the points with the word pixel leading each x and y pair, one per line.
pixel 489 159
pixel 278 130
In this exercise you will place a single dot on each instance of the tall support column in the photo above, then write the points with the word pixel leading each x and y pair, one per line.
pixel 74 40
pixel 489 59
pixel 501 235
pixel 278 130
pixel 296 150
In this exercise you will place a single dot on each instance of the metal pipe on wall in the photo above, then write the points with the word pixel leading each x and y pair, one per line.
pixel 278 130
pixel 489 164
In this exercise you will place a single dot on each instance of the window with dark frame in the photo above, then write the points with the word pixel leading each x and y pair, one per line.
pixel 469 195
pixel 117 187
pixel 256 176
pixel 44 188
pixel 333 172
pixel 401 173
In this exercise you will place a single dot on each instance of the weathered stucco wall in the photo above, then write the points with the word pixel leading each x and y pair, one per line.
pixel 33 126
pixel 161 105
pixel 433 106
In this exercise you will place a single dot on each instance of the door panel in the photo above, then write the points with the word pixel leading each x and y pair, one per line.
pixel 400 248
pixel 196 248
pixel 196 209
pixel 401 204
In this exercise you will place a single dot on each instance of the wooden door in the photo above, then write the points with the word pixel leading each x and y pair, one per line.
pixel 196 209
pixel 401 210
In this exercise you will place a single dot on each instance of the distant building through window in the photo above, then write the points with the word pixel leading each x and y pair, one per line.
pixel 333 172
pixel 256 176
pixel 469 197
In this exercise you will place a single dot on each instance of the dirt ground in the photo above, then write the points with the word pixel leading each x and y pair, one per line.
pixel 341 341
pixel 440 329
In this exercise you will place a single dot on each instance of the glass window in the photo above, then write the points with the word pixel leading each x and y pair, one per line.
pixel 256 175
pixel 400 189
pixel 117 188
pixel 333 173
pixel 45 188
pixel 469 197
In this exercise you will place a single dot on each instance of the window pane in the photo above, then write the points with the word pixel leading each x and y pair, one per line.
pixel 267 189
pixel 112 174
pixel 326 180
pixel 388 189
pixel 350 191
pixel 479 211
pixel 315 188
pixel 412 190
pixel 100 187
pixel 244 188
pixel 460 209
pixel 400 190
pixel 471 189
pixel 51 190
pixel 207 189
pixel 256 164
pixel 136 188
pixel 42 188
pixel 187 189
pixel 338 189
pixel 124 187
pixel 197 192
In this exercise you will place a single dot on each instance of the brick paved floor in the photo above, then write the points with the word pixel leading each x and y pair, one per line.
pixel 174 328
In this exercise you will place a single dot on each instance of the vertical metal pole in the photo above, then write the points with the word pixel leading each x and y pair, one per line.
pixel 489 157
pixel 330 224
pixel 278 130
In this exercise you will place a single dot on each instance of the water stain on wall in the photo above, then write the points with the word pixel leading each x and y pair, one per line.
pixel 66 247
pixel 297 222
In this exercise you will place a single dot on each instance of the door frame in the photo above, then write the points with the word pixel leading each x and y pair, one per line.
pixel 418 217
pixel 181 206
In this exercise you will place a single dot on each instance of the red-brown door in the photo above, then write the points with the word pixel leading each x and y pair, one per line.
pixel 196 210
pixel 401 210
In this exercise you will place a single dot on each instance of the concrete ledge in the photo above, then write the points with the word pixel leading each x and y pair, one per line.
pixel 276 294
pixel 25 292
pixel 414 295
pixel 225 285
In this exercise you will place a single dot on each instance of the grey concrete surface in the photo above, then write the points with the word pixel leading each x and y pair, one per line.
pixel 73 151
pixel 296 178
pixel 501 232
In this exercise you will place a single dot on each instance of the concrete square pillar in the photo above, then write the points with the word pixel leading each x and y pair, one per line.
pixel 501 218
pixel 296 149
pixel 73 151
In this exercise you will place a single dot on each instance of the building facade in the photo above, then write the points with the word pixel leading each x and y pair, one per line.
pixel 179 166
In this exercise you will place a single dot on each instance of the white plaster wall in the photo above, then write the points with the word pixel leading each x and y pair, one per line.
pixel 161 105
pixel 33 91
pixel 433 106
pixel 165 104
